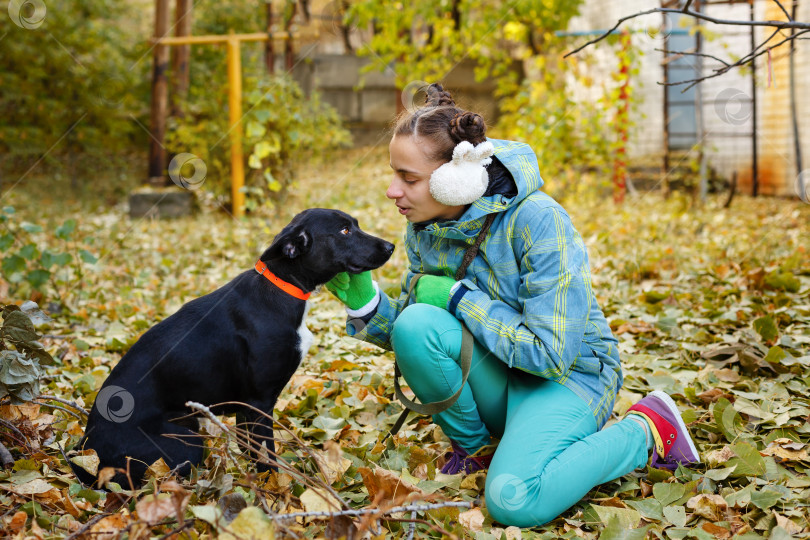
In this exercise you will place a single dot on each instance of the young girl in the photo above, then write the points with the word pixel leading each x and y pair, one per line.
pixel 545 367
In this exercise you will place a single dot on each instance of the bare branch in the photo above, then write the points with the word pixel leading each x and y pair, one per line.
pixel 779 25
pixel 692 53
pixel 63 401
pixel 778 3
pixel 720 71
pixel 606 34
pixel 379 511
pixel 732 22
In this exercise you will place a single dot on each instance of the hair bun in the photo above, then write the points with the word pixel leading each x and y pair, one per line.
pixel 468 126
pixel 438 97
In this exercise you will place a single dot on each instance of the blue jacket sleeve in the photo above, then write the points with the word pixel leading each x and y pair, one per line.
pixel 377 329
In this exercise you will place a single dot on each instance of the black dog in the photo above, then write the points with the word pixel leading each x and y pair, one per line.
pixel 242 342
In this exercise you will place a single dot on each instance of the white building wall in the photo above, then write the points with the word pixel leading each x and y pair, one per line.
pixel 598 16
pixel 727 111
pixel 728 98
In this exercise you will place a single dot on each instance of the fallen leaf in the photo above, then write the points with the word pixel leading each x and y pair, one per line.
pixel 15 413
pixel 180 497
pixel 332 462
pixel 712 507
pixel 34 487
pixel 105 475
pixel 472 520
pixel 789 525
pixel 250 524
pixel 627 517
pixel 109 527
pixel 677 515
pixel 18 521
pixel 712 395
pixel 719 532
pixel 155 508
pixel 158 469
pixel 714 458
pixel 787 450
pixel 315 500
pixel 390 487
pixel 88 460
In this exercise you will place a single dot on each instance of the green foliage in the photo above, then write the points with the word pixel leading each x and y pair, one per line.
pixel 71 86
pixel 515 44
pixel 283 128
pixel 28 267
pixel 21 354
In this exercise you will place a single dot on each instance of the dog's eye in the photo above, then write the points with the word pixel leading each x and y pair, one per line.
pixel 345 231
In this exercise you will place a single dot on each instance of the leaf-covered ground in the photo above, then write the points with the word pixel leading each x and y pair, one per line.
pixel 710 305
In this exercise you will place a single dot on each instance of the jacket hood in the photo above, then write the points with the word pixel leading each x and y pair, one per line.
pixel 521 162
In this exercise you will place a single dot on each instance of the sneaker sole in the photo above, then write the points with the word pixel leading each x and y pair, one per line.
pixel 663 396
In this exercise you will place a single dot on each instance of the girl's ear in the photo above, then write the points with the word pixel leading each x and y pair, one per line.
pixel 289 244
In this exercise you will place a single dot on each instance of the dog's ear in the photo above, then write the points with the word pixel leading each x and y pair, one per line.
pixel 289 244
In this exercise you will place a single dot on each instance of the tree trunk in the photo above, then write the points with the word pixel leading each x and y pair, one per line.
pixel 157 152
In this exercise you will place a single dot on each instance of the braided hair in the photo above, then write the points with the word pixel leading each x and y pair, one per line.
pixel 441 123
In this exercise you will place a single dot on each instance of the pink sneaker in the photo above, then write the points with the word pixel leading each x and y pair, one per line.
pixel 458 460
pixel 673 445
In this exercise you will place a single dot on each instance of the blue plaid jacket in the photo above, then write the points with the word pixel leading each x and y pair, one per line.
pixel 527 295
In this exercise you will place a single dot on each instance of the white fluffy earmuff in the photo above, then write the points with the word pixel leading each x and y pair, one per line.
pixel 463 179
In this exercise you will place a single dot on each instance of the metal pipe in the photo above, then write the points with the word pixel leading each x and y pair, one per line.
pixel 235 130
pixel 258 36
pixel 793 111
pixel 754 164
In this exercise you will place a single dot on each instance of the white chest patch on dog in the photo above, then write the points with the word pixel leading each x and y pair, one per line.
pixel 305 337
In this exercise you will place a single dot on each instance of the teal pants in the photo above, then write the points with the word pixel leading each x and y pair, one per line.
pixel 550 452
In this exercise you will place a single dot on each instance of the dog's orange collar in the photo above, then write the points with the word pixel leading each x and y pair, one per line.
pixel 288 288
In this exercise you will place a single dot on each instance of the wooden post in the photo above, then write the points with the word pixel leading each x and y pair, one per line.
pixel 234 126
pixel 180 57
pixel 157 152
pixel 269 53
pixel 289 54
pixel 754 156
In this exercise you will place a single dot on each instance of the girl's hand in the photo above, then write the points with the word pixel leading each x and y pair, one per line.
pixel 434 290
pixel 354 290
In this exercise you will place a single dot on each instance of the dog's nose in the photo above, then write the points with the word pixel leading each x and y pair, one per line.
pixel 389 248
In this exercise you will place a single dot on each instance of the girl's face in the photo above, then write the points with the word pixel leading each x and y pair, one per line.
pixel 410 186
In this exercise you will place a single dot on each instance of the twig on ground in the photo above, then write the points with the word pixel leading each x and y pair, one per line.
pixel 64 402
pixel 186 524
pixel 380 512
pixel 87 526
pixel 24 441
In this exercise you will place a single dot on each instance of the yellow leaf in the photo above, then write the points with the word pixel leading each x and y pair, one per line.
pixel 319 501
pixel 34 487
pixel 250 524
pixel 332 462
pixel 159 468
pixel 88 461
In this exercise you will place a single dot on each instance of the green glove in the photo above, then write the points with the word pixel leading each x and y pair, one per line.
pixel 354 290
pixel 434 290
